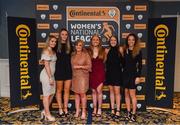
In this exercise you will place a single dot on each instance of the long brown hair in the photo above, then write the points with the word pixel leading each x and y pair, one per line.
pixel 68 44
pixel 136 48
pixel 101 52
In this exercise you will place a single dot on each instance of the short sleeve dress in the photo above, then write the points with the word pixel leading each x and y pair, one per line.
pixel 46 87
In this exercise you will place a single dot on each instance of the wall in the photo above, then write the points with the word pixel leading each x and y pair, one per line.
pixel 26 8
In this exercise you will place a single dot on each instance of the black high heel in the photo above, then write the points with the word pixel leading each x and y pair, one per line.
pixel 61 113
pixel 128 116
pixel 132 118
pixel 117 116
pixel 112 110
pixel 99 114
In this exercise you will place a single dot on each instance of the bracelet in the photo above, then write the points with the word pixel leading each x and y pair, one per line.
pixel 51 78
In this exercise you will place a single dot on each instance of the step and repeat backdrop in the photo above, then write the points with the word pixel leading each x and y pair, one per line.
pixel 83 19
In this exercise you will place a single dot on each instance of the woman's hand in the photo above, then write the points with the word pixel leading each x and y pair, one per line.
pixel 51 81
pixel 137 80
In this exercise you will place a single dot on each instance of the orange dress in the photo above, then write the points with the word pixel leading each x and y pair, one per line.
pixel 80 79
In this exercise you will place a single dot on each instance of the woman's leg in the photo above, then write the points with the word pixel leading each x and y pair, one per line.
pixel 59 95
pixel 77 104
pixel 134 100
pixel 99 95
pixel 46 105
pixel 117 98
pixel 127 100
pixel 67 85
pixel 111 90
pixel 84 105
pixel 50 99
pixel 94 97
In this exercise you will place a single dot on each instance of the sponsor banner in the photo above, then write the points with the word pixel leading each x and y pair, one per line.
pixel 23 62
pixel 84 19
pixel 83 22
pixel 161 62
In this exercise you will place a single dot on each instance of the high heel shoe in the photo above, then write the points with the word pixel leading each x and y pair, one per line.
pixel 117 115
pixel 99 113
pixel 76 115
pixel 42 114
pixel 66 112
pixel 61 113
pixel 83 116
pixel 50 118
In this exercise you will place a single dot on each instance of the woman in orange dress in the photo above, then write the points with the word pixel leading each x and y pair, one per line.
pixel 81 66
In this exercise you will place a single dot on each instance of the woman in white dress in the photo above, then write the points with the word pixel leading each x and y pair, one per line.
pixel 48 58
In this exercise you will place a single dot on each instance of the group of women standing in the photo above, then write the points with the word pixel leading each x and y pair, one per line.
pixel 90 67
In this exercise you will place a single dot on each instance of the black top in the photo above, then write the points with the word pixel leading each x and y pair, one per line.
pixel 131 68
pixel 63 64
pixel 114 67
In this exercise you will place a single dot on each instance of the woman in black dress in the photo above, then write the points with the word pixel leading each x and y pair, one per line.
pixel 114 74
pixel 131 73
pixel 63 72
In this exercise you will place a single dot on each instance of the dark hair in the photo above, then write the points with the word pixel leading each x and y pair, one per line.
pixel 116 41
pixel 68 44
pixel 136 48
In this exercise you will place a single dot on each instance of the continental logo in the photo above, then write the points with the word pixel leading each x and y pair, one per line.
pixel 124 35
pixel 142 79
pixel 55 16
pixel 123 105
pixel 42 7
pixel 23 33
pixel 140 97
pixel 161 32
pixel 55 105
pixel 41 44
pixel 144 61
pixel 139 26
pixel 55 34
pixel 143 45
pixel 93 13
pixel 127 17
pixel 106 105
pixel 140 8
pixel 43 26
pixel 105 88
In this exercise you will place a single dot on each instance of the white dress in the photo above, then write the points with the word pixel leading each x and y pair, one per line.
pixel 46 87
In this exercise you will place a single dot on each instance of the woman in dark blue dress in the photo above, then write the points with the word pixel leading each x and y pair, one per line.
pixel 114 74
pixel 131 73
pixel 63 72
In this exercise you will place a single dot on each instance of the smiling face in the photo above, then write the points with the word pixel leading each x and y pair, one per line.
pixel 79 46
pixel 113 41
pixel 95 41
pixel 131 41
pixel 52 42
pixel 64 36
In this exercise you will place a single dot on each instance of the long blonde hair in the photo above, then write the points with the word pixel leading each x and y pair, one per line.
pixel 101 52
pixel 68 44
pixel 136 48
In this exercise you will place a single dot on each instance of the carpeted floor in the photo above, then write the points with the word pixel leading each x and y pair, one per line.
pixel 153 115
